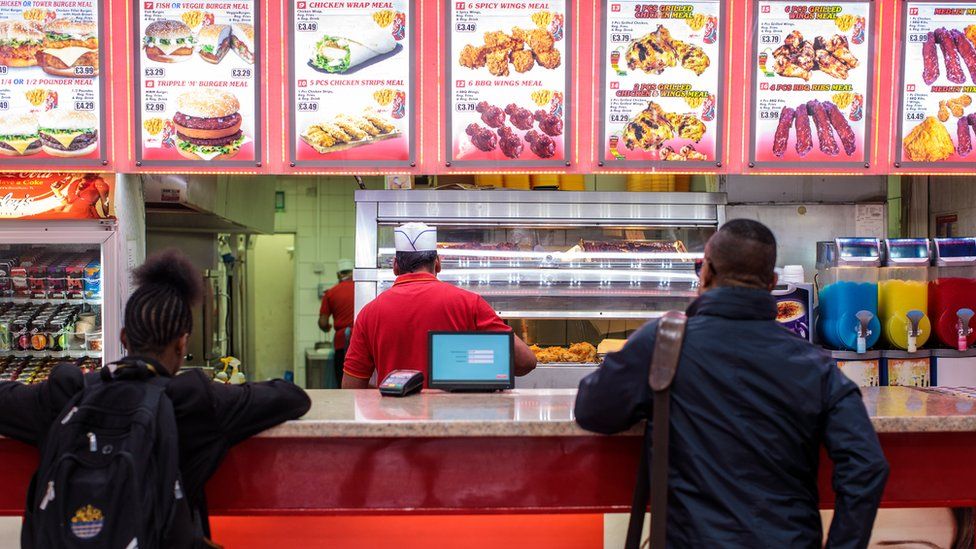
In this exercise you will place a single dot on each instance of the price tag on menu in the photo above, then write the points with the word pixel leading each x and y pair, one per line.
pixel 508 94
pixel 352 83
pixel 198 91
pixel 51 93
pixel 811 93
pixel 938 117
pixel 660 107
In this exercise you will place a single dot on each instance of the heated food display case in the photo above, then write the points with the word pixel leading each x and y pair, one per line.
pixel 573 273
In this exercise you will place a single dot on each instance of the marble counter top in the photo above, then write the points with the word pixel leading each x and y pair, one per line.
pixel 549 413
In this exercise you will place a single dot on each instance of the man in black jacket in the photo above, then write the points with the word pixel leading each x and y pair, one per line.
pixel 751 405
pixel 210 417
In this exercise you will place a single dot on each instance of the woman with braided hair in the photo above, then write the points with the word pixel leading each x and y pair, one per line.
pixel 210 418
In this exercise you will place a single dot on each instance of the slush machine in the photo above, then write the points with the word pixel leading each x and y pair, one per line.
pixel 847 278
pixel 903 297
pixel 952 294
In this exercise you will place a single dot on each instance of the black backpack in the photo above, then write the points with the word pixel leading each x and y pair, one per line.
pixel 109 475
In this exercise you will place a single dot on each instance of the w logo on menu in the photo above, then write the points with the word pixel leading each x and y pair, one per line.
pixel 476 356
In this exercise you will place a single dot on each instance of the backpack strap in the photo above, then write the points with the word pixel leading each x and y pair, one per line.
pixel 664 365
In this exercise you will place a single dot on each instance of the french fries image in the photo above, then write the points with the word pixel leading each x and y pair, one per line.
pixel 842 99
pixel 694 101
pixel 542 19
pixel 384 96
pixel 384 18
pixel 844 23
pixel 153 126
pixel 36 96
pixel 697 21
pixel 542 97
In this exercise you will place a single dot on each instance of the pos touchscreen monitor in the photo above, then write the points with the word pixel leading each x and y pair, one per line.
pixel 471 361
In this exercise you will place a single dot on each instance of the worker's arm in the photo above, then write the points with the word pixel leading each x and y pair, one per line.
pixel 860 468
pixel 525 359
pixel 324 314
pixel 616 395
pixel 359 364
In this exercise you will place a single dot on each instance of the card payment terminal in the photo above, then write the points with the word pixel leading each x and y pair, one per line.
pixel 401 383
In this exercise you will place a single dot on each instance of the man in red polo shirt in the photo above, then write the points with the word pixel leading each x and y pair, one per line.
pixel 391 331
pixel 339 303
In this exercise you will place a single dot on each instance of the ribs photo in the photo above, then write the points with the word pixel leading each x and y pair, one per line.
pixel 782 136
pixel 844 131
pixel 966 51
pixel 930 60
pixel 825 137
pixel 964 143
pixel 804 137
pixel 951 54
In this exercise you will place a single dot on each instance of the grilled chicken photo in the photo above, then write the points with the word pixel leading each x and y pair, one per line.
pixel 510 144
pixel 798 58
pixel 657 51
pixel 520 117
pixel 653 126
pixel 541 144
pixel 482 138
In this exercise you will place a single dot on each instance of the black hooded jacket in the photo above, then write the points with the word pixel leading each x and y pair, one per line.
pixel 751 406
pixel 210 417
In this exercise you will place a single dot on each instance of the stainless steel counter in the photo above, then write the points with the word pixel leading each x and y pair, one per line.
pixel 549 413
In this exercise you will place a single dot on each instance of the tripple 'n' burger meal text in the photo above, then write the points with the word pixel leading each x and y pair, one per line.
pixel 69 133
pixel 67 45
pixel 168 41
pixel 208 125
pixel 19 135
pixel 19 43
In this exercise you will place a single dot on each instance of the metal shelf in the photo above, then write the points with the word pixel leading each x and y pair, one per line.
pixel 580 315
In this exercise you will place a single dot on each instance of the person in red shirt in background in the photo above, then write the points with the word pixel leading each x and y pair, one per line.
pixel 339 303
pixel 392 330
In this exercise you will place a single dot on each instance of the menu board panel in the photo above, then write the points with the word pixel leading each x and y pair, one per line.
pixel 938 117
pixel 507 86
pixel 352 83
pixel 662 69
pixel 812 83
pixel 51 92
pixel 197 86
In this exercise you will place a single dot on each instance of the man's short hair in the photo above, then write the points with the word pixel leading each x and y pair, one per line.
pixel 411 262
pixel 743 253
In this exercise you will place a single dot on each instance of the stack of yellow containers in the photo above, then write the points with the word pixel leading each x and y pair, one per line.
pixel 545 181
pixel 489 180
pixel 518 181
pixel 650 182
pixel 572 182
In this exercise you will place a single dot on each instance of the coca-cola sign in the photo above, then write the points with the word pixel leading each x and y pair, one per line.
pixel 56 196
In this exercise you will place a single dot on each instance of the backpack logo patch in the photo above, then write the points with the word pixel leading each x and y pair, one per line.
pixel 87 522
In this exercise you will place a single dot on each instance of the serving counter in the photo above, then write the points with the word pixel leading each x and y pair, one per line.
pixel 517 452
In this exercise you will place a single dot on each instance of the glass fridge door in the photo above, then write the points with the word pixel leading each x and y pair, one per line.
pixel 53 298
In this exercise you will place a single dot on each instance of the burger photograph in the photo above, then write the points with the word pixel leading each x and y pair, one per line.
pixel 69 44
pixel 168 41
pixel 208 125
pixel 242 40
pixel 19 43
pixel 67 133
pixel 213 42
pixel 18 135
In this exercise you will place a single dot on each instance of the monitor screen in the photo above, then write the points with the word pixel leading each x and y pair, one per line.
pixel 471 359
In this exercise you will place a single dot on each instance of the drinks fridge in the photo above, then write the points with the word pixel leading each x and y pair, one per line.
pixel 60 280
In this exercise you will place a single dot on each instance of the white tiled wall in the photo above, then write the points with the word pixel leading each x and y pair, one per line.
pixel 320 211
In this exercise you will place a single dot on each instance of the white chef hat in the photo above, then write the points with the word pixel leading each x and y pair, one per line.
pixel 345 265
pixel 415 237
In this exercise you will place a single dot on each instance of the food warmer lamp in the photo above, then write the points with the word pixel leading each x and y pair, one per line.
pixel 903 293
pixel 847 279
pixel 952 295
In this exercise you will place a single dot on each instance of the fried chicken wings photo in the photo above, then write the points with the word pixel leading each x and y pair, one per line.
pixel 521 50
pixel 799 58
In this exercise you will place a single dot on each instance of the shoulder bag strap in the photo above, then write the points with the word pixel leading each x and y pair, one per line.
pixel 664 365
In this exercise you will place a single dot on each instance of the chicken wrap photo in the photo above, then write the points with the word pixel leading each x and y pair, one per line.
pixel 337 52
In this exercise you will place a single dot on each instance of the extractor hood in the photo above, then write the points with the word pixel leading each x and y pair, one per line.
pixel 209 203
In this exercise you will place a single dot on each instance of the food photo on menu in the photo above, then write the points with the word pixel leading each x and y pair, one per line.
pixel 198 85
pixel 938 115
pixel 352 83
pixel 812 78
pixel 509 72
pixel 661 82
pixel 52 100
